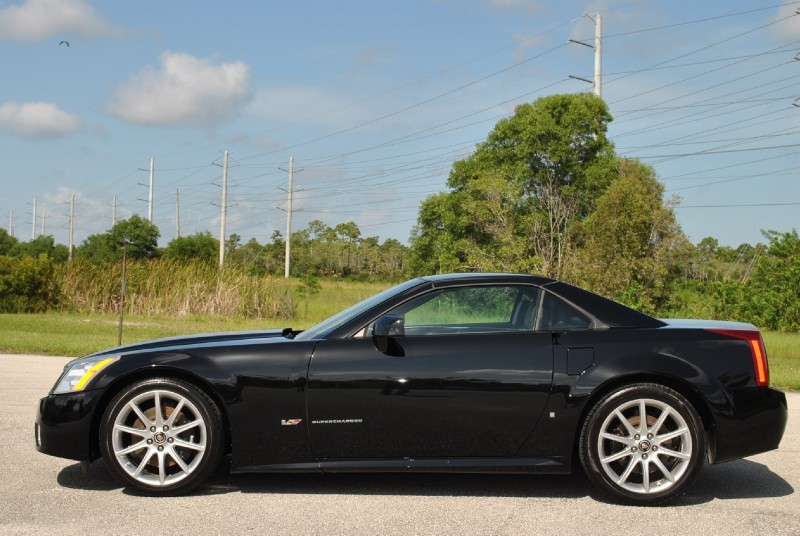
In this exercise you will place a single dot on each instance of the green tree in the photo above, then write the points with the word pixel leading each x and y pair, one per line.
pixel 438 242
pixel 256 258
pixel 707 249
pixel 512 202
pixel 319 231
pixel 42 245
pixel 704 264
pixel 349 236
pixel 393 259
pixel 631 245
pixel 7 242
pixel 199 246
pixel 712 262
pixel 140 235
pixel 232 244
pixel 771 292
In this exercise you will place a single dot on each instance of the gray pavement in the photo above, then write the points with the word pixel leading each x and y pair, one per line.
pixel 44 495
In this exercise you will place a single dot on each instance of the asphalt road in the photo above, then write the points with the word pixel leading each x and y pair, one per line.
pixel 44 495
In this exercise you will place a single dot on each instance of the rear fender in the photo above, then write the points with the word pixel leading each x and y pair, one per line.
pixel 659 365
pixel 705 393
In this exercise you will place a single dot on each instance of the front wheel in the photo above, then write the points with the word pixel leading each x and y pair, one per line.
pixel 161 436
pixel 642 444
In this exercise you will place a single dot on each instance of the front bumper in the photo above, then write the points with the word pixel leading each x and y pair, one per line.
pixel 753 422
pixel 64 425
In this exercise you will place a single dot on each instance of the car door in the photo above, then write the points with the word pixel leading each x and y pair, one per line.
pixel 469 378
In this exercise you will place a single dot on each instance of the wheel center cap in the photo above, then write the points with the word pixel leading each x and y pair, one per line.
pixel 160 437
pixel 644 446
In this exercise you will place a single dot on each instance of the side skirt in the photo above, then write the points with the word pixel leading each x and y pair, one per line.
pixel 557 465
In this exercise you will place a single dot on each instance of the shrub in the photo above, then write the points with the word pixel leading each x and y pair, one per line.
pixel 27 284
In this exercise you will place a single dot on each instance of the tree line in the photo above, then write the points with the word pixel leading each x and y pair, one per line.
pixel 318 250
pixel 545 193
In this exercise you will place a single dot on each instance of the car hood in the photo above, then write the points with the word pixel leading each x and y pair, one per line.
pixel 194 340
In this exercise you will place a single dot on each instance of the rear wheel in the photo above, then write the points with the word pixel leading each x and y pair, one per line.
pixel 161 436
pixel 642 444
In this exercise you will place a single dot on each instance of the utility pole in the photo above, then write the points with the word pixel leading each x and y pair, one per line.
pixel 71 224
pixel 224 211
pixel 44 219
pixel 150 197
pixel 178 212
pixel 289 219
pixel 33 221
pixel 598 54
pixel 113 211
pixel 122 291
pixel 11 223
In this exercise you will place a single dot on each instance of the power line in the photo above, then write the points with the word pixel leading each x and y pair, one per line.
pixel 706 47
pixel 698 21
pixel 743 205
pixel 407 169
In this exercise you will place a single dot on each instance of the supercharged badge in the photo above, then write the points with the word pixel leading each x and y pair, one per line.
pixel 338 421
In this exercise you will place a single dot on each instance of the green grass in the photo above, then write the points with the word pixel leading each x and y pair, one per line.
pixel 332 298
pixel 77 334
pixel 783 352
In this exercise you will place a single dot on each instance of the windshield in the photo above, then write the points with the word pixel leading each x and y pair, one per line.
pixel 336 321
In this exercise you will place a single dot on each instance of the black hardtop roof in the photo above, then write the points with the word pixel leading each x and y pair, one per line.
pixel 488 278
pixel 608 312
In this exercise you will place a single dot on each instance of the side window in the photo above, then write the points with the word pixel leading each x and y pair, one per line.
pixel 559 315
pixel 480 309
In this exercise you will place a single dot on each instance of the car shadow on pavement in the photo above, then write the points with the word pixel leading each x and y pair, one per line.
pixel 741 479
pixel 411 484
pixel 97 479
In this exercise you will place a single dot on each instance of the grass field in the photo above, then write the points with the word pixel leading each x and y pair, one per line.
pixel 76 334
pixel 71 334
pixel 783 352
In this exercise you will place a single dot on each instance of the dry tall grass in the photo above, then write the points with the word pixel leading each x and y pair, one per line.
pixel 164 287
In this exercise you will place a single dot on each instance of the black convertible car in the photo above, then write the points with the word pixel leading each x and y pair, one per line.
pixel 464 372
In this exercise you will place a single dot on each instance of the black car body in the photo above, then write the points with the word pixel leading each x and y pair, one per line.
pixel 461 372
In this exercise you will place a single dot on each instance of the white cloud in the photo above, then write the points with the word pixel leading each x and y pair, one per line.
pixel 789 28
pixel 38 20
pixel 38 120
pixel 184 90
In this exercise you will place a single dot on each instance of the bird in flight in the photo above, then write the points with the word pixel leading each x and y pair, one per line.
pixel 64 43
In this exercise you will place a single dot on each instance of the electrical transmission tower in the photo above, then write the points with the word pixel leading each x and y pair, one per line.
pixel 598 54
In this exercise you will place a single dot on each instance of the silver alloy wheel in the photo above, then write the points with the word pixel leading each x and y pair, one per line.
pixel 159 437
pixel 645 446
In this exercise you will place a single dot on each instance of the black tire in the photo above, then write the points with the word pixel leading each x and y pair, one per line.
pixel 166 452
pixel 639 461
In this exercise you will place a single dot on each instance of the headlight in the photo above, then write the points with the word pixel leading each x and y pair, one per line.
pixel 78 374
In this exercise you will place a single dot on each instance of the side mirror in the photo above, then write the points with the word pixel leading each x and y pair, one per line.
pixel 383 332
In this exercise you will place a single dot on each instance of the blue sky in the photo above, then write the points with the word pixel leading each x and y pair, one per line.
pixel 374 101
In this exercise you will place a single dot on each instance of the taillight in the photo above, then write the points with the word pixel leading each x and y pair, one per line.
pixel 757 350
